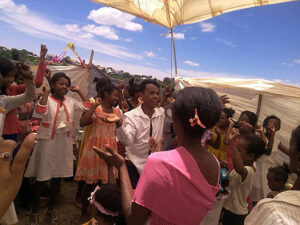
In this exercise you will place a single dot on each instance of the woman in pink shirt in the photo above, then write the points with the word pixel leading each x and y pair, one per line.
pixel 178 186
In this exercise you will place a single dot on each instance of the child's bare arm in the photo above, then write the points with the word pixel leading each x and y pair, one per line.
pixel 237 161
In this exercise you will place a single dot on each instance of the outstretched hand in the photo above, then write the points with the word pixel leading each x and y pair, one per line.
pixel 110 156
pixel 224 100
pixel 75 89
pixel 11 175
pixel 48 74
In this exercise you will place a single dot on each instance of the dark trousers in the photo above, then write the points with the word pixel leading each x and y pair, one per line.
pixel 133 173
pixel 230 218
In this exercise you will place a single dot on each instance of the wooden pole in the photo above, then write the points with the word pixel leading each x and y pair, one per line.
pixel 260 98
pixel 174 51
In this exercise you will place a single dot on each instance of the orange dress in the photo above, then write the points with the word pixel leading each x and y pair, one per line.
pixel 91 167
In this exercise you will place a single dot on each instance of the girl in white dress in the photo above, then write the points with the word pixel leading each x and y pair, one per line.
pixel 52 157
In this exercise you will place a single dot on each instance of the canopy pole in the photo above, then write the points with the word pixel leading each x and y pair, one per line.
pixel 174 51
pixel 171 55
pixel 260 98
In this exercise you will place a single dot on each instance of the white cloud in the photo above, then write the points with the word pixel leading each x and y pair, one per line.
pixel 179 36
pixel 104 31
pixel 72 28
pixel 228 43
pixel 193 38
pixel 287 64
pixel 10 6
pixel 189 62
pixel 207 27
pixel 114 17
pixel 33 24
pixel 128 40
pixel 297 61
pixel 150 54
pixel 86 35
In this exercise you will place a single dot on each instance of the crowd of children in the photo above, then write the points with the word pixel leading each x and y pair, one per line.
pixel 147 156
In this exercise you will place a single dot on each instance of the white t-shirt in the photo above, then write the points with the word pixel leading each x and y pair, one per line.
pixel 239 191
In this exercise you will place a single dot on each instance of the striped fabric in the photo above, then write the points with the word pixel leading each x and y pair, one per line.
pixel 283 209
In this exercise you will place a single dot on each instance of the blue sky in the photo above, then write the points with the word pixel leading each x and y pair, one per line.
pixel 261 42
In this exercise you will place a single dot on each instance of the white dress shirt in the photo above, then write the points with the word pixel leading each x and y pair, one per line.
pixel 283 209
pixel 135 134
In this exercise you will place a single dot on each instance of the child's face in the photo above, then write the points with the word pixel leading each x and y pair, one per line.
pixel 272 183
pixel 223 122
pixel 113 97
pixel 9 79
pixel 61 87
pixel 271 123
pixel 244 125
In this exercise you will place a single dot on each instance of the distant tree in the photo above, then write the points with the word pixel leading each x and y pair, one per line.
pixel 14 54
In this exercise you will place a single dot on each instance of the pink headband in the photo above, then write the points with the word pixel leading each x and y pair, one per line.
pixel 99 206
pixel 194 121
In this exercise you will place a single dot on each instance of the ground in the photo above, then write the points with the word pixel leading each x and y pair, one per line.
pixel 66 211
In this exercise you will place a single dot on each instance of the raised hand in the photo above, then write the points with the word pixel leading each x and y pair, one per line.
pixel 11 175
pixel 46 89
pixel 218 130
pixel 110 156
pixel 24 71
pixel 224 100
pixel 43 52
pixel 48 74
pixel 260 128
pixel 75 89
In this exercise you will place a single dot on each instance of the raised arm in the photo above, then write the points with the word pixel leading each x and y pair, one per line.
pixel 215 143
pixel 237 161
pixel 28 96
pixel 283 148
pixel 79 92
pixel 86 118
pixel 228 133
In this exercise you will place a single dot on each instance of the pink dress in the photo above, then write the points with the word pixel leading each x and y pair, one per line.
pixel 91 168
pixel 173 188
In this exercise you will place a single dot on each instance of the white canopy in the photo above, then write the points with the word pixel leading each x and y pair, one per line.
pixel 268 97
pixel 171 13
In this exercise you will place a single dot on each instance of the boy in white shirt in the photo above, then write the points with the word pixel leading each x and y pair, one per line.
pixel 245 150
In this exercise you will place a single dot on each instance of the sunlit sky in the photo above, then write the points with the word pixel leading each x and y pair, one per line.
pixel 261 42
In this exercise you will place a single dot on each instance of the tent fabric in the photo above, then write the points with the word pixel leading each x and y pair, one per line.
pixel 171 13
pixel 277 99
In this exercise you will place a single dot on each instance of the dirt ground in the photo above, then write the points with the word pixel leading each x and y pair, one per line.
pixel 65 211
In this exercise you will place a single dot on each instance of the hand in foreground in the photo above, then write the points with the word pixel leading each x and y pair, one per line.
pixel 46 89
pixel 11 175
pixel 24 71
pixel 110 156
pixel 155 146
pixel 260 128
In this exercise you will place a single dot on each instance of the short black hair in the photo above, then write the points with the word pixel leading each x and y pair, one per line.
pixel 229 112
pixel 207 103
pixel 6 66
pixel 146 82
pixel 281 173
pixel 266 121
pixel 133 87
pixel 59 75
pixel 109 196
pixel 255 145
pixel 251 117
pixel 104 85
